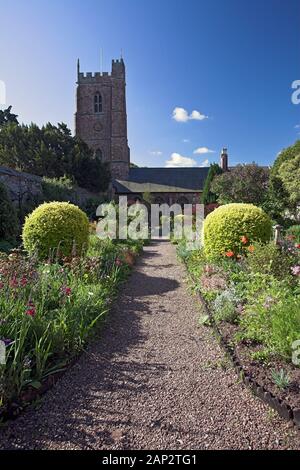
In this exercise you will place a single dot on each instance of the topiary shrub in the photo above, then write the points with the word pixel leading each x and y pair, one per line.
pixel 56 227
pixel 224 228
pixel 9 226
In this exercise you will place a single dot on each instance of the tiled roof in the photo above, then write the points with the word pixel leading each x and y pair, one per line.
pixel 159 180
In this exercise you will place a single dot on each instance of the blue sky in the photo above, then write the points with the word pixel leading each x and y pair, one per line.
pixel 232 61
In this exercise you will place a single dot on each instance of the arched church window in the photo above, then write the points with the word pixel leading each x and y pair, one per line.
pixel 98 154
pixel 98 103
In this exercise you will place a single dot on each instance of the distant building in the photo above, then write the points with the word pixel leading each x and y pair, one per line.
pixel 101 121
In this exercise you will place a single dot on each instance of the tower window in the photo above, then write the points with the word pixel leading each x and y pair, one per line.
pixel 98 103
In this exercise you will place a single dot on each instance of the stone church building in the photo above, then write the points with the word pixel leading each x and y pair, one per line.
pixel 101 121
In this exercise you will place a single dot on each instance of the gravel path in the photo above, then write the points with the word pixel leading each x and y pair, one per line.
pixel 154 380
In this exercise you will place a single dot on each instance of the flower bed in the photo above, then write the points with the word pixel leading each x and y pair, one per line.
pixel 253 297
pixel 48 311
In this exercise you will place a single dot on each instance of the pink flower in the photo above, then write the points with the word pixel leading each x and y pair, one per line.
pixel 118 262
pixel 13 283
pixel 1 285
pixel 295 270
pixel 244 240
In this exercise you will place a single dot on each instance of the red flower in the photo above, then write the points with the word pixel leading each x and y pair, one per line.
pixel 24 282
pixel 244 240
pixel 30 309
pixel 229 254
pixel 297 245
pixel 67 291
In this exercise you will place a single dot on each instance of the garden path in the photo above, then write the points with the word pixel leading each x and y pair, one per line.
pixel 154 380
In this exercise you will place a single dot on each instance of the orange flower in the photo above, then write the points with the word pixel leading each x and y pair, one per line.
pixel 251 248
pixel 244 240
pixel 229 254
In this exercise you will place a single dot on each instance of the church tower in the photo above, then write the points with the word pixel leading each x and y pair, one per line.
pixel 101 119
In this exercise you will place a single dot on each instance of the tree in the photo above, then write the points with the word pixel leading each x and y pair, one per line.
pixel 286 154
pixel 244 183
pixel 208 196
pixel 7 116
pixel 276 200
pixel 286 171
pixel 289 173
pixel 53 152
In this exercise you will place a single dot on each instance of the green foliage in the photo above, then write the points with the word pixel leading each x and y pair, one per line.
pixel 58 189
pixel 6 246
pixel 6 116
pixel 208 196
pixel 90 206
pixel 56 226
pixel 276 200
pixel 225 306
pixel 285 155
pixel 289 173
pixel 271 259
pixel 243 183
pixel 51 151
pixel 271 316
pixel 294 231
pixel 224 228
pixel 287 169
pixel 8 216
pixel 281 378
pixel 50 310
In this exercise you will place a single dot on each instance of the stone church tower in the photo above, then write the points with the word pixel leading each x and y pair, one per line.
pixel 101 119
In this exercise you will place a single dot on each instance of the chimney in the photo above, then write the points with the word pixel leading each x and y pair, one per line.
pixel 224 160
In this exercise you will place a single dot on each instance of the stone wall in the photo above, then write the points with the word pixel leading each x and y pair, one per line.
pixel 24 186
pixel 21 186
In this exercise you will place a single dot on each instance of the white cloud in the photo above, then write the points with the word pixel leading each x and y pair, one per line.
pixel 182 115
pixel 203 150
pixel 185 141
pixel 178 160
pixel 156 153
pixel 197 116
pixel 205 163
pixel 297 126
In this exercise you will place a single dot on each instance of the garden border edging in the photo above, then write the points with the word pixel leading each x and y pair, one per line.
pixel 280 406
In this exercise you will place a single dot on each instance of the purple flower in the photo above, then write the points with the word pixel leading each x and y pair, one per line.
pixel 7 341
pixel 295 270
